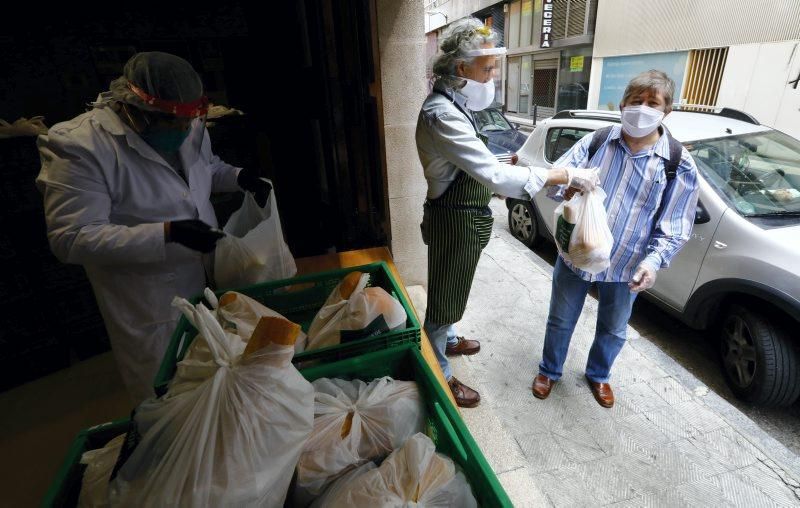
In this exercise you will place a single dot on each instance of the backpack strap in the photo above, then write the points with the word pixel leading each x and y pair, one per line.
pixel 598 138
pixel 675 151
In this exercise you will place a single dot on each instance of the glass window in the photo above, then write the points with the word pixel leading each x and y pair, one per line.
pixel 490 120
pixel 512 98
pixel 525 84
pixel 573 78
pixel 513 31
pixel 559 140
pixel 758 174
pixel 526 23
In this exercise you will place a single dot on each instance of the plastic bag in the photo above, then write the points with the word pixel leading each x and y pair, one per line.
pixel 352 307
pixel 581 230
pixel 355 422
pixel 253 250
pixel 232 441
pixel 238 314
pixel 414 475
pixel 99 463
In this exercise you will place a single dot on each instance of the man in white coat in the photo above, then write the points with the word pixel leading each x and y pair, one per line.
pixel 126 190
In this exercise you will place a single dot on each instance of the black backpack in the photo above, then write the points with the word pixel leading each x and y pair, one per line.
pixel 670 167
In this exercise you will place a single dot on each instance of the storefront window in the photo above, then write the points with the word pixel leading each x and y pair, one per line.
pixel 526 23
pixel 573 78
pixel 525 84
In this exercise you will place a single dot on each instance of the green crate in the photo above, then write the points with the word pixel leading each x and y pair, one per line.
pixel 444 424
pixel 300 306
pixel 66 487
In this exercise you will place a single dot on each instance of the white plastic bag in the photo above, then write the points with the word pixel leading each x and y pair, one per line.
pixel 232 441
pixel 581 231
pixel 355 422
pixel 414 475
pixel 359 310
pixel 238 314
pixel 99 464
pixel 253 250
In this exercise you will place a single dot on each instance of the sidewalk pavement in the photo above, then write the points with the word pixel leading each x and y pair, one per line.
pixel 668 440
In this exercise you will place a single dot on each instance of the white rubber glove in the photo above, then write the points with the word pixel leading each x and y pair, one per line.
pixel 583 179
pixel 643 278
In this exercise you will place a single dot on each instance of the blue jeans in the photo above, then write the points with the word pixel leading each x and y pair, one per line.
pixel 566 304
pixel 440 336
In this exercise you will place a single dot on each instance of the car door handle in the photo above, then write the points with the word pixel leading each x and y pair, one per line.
pixel 719 245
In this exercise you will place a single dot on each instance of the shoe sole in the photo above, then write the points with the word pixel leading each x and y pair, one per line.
pixel 603 404
pixel 468 406
pixel 539 396
pixel 596 398
pixel 463 354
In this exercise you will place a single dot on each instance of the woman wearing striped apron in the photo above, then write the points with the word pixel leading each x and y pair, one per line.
pixel 462 174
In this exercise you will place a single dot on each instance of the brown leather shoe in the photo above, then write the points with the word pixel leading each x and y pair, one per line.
pixel 542 386
pixel 464 395
pixel 463 347
pixel 602 393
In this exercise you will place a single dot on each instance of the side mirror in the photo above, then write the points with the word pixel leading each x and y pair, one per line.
pixel 515 125
pixel 701 215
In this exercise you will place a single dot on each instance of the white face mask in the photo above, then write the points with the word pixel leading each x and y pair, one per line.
pixel 639 121
pixel 479 95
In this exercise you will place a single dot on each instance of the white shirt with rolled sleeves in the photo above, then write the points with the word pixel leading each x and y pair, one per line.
pixel 107 194
pixel 447 144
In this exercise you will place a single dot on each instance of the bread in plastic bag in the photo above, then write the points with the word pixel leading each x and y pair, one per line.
pixel 414 475
pixel 355 422
pixel 238 314
pixel 253 249
pixel 354 306
pixel 232 441
pixel 581 230
pixel 99 464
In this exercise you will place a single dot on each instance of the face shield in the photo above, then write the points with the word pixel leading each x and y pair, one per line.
pixel 161 95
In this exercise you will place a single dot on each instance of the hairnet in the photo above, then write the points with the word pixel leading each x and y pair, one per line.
pixel 160 75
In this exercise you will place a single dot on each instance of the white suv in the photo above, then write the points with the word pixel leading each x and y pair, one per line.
pixel 739 274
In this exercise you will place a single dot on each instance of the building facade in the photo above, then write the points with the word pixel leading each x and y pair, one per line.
pixel 723 53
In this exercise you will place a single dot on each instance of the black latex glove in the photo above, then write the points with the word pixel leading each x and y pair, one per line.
pixel 194 234
pixel 248 180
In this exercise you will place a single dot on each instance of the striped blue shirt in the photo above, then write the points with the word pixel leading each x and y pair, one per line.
pixel 650 217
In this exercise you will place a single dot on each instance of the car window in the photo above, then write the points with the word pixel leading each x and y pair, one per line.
pixel 759 173
pixel 560 140
pixel 490 120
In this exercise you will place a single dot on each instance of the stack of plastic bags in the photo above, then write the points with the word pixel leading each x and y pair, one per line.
pixel 355 422
pixel 414 475
pixel 352 306
pixel 234 440
pixel 238 314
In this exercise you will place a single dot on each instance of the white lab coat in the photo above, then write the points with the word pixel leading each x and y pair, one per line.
pixel 107 194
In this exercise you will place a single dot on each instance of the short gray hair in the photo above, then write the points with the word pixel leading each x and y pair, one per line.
pixel 651 81
pixel 461 36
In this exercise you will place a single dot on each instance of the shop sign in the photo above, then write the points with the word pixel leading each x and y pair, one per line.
pixel 576 64
pixel 547 23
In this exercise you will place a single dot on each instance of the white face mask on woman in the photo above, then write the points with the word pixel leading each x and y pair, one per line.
pixel 479 95
pixel 639 121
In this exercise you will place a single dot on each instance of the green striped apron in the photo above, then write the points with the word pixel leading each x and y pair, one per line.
pixel 459 224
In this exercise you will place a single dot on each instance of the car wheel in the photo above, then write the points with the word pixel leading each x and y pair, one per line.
pixel 522 222
pixel 760 364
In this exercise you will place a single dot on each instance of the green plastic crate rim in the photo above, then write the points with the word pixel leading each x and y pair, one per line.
pixel 300 307
pixel 66 487
pixel 444 424
pixel 405 362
